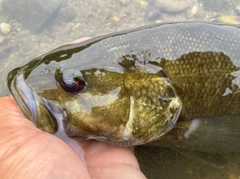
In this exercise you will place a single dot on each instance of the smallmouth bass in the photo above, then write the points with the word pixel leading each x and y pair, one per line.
pixel 133 87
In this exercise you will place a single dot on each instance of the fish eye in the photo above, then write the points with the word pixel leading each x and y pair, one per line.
pixel 72 85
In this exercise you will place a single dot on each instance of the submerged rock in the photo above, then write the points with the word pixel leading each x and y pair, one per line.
pixel 32 14
pixel 230 19
pixel 152 13
pixel 237 9
pixel 217 6
pixel 173 6
pixel 124 2
pixel 2 38
pixel 5 28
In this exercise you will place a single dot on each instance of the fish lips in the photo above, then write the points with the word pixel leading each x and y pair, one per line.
pixel 36 108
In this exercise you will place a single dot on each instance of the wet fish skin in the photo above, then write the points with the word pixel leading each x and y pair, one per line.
pixel 132 75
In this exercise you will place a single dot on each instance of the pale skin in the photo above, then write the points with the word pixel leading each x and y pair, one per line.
pixel 27 152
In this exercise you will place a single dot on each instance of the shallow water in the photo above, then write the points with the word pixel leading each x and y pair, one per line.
pixel 75 19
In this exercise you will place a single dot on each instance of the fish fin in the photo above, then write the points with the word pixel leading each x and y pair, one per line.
pixel 210 135
pixel 212 160
pixel 180 163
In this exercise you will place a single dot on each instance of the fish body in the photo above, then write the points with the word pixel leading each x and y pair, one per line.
pixel 133 87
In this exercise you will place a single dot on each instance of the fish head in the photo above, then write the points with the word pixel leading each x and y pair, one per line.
pixel 70 89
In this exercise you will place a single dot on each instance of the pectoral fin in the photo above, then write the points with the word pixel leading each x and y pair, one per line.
pixel 210 135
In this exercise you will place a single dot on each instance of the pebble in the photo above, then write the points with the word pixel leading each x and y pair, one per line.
pixel 67 14
pixel 229 19
pixel 124 2
pixel 116 19
pixel 152 13
pixel 2 38
pixel 143 3
pixel 5 50
pixel 32 14
pixel 192 11
pixel 217 6
pixel 173 6
pixel 5 28
pixel 237 9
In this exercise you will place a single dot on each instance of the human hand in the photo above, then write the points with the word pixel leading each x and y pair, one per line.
pixel 28 152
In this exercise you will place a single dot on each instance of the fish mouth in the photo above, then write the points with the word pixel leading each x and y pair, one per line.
pixel 44 114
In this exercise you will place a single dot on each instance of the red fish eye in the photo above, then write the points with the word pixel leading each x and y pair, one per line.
pixel 73 85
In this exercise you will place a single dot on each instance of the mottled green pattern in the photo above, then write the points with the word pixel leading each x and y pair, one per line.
pixel 201 80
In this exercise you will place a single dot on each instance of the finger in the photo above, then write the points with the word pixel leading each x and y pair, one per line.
pixel 104 161
pixel 81 40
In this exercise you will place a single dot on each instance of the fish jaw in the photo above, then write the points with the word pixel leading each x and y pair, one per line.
pixel 40 111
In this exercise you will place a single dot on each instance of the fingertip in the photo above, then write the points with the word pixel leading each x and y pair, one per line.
pixel 81 40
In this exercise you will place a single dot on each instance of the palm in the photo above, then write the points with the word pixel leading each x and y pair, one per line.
pixel 27 152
